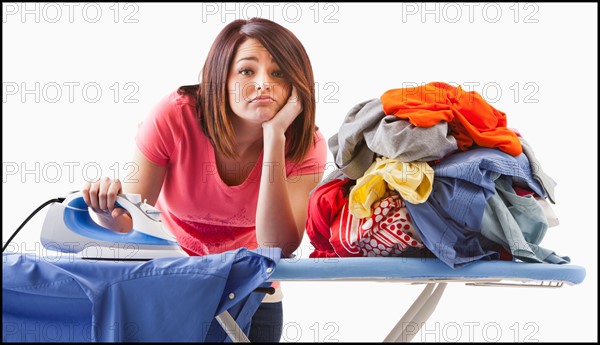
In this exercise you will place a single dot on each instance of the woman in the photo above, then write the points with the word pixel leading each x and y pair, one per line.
pixel 231 162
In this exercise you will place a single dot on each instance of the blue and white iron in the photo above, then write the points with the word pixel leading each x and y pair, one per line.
pixel 69 228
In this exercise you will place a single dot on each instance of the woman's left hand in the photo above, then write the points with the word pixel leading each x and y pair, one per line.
pixel 288 113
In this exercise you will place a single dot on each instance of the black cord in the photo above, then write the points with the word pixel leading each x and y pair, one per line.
pixel 266 290
pixel 28 218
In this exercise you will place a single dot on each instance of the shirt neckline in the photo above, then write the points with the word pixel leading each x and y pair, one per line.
pixel 249 178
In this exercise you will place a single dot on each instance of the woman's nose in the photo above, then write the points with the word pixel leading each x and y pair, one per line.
pixel 263 82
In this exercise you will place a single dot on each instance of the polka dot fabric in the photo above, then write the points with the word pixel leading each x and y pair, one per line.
pixel 387 232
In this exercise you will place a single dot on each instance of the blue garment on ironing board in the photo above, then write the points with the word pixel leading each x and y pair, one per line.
pixel 449 222
pixel 66 299
pixel 479 166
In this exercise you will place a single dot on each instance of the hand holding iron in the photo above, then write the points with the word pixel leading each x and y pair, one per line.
pixel 101 196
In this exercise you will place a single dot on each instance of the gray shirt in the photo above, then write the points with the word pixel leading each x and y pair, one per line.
pixel 367 132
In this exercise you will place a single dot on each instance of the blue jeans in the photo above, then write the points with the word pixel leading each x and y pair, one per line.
pixel 267 323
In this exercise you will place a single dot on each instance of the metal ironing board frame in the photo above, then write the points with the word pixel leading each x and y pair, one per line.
pixel 431 272
pixel 418 313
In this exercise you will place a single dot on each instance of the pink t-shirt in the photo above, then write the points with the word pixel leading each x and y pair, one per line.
pixel 206 215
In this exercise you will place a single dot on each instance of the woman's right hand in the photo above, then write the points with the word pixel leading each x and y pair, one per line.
pixel 100 196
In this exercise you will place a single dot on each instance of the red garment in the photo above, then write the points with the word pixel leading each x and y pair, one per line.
pixel 470 118
pixel 323 207
pixel 334 232
pixel 387 232
pixel 505 255
pixel 522 191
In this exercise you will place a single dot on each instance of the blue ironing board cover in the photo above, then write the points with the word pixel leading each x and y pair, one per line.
pixel 414 269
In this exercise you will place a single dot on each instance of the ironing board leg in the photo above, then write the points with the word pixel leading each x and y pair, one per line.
pixel 426 311
pixel 231 327
pixel 417 314
pixel 397 331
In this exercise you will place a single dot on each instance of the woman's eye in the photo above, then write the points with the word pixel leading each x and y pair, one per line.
pixel 245 71
pixel 278 74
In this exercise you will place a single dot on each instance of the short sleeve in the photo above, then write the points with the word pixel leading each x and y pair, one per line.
pixel 315 160
pixel 160 132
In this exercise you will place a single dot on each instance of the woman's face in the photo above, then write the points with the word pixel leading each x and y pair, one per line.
pixel 257 88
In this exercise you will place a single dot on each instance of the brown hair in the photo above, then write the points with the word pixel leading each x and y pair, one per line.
pixel 212 96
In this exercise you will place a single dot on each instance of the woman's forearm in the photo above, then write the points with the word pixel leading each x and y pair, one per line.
pixel 275 223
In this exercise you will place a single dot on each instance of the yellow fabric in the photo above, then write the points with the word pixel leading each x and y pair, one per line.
pixel 413 181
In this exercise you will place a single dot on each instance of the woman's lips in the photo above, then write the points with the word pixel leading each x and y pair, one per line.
pixel 262 99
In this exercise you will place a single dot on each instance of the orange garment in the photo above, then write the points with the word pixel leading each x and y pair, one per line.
pixel 470 118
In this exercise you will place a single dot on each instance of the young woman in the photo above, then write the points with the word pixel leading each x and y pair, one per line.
pixel 230 162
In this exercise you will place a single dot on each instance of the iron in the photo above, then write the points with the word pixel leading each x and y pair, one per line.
pixel 70 228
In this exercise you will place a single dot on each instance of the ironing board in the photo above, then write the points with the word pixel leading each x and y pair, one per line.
pixel 432 272
pixel 24 276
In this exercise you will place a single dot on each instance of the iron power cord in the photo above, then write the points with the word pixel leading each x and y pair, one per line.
pixel 29 218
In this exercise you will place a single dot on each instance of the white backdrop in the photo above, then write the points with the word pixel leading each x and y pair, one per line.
pixel 78 78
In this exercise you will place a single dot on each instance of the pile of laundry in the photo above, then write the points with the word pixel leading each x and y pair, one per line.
pixel 432 170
